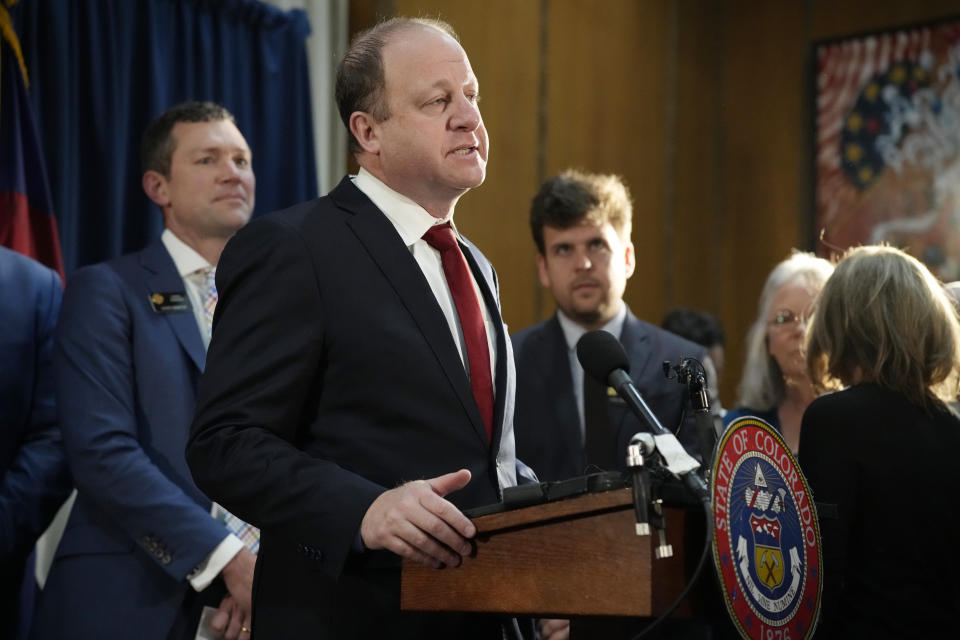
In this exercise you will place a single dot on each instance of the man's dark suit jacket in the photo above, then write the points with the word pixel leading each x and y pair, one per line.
pixel 332 376
pixel 547 422
pixel 33 467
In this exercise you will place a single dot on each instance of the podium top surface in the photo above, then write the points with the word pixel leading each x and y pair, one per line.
pixel 613 500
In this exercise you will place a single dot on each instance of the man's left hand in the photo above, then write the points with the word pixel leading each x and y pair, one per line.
pixel 231 621
pixel 554 629
pixel 233 618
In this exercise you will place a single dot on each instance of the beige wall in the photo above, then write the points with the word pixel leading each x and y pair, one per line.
pixel 703 106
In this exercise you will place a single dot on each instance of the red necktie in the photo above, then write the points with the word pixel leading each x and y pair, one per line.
pixel 455 268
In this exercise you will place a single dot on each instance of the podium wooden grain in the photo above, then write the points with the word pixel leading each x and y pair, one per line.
pixel 573 557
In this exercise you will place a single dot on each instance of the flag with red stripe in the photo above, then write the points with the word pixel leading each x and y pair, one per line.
pixel 27 224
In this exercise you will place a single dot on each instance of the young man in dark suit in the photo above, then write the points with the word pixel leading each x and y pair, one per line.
pixel 581 224
pixel 567 424
pixel 358 347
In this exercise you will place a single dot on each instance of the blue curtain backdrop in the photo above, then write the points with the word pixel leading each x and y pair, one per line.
pixel 100 70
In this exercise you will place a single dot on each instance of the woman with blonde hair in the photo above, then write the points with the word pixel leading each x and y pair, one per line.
pixel 774 386
pixel 880 454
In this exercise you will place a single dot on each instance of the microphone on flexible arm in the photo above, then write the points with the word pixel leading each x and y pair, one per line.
pixel 693 374
pixel 603 357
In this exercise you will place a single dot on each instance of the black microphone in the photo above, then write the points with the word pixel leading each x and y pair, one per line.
pixel 603 357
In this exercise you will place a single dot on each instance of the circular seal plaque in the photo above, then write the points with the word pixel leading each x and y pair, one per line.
pixel 766 543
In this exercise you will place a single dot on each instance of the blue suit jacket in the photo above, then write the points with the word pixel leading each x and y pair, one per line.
pixel 126 377
pixel 547 422
pixel 33 470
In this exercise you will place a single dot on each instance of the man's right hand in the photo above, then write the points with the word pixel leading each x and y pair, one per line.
pixel 415 522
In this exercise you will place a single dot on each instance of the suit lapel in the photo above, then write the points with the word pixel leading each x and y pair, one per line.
pixel 636 342
pixel 555 369
pixel 393 258
pixel 160 276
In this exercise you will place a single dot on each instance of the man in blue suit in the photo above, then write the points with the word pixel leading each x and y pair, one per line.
pixel 33 468
pixel 581 224
pixel 142 554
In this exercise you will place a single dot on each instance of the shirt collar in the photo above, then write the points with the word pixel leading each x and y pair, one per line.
pixel 410 219
pixel 184 257
pixel 572 332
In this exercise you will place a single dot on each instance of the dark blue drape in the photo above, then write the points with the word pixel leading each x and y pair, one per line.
pixel 100 70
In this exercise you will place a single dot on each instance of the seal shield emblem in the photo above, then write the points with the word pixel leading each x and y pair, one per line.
pixel 767 556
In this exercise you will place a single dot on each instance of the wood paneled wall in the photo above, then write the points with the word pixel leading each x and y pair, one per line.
pixel 704 108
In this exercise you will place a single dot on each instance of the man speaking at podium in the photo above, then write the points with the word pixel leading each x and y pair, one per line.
pixel 357 347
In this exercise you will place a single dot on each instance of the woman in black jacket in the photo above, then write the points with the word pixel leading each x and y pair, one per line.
pixel 880 453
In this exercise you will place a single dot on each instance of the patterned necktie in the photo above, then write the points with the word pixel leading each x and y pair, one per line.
pixel 457 272
pixel 210 297
pixel 248 534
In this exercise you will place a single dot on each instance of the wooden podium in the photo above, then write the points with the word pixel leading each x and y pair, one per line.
pixel 574 557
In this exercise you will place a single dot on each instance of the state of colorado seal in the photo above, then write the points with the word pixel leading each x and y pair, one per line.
pixel 766 544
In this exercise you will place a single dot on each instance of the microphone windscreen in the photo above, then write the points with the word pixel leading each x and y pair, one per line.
pixel 600 353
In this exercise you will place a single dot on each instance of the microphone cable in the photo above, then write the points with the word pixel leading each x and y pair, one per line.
pixel 707 544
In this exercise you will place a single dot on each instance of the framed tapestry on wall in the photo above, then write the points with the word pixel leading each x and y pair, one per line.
pixel 887 143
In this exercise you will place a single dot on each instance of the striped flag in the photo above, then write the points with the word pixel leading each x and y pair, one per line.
pixel 27 224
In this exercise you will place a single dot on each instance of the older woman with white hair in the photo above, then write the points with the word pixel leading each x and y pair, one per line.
pixel 774 386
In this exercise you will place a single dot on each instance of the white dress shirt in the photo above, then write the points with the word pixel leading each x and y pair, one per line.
pixel 412 221
pixel 572 332
pixel 191 265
